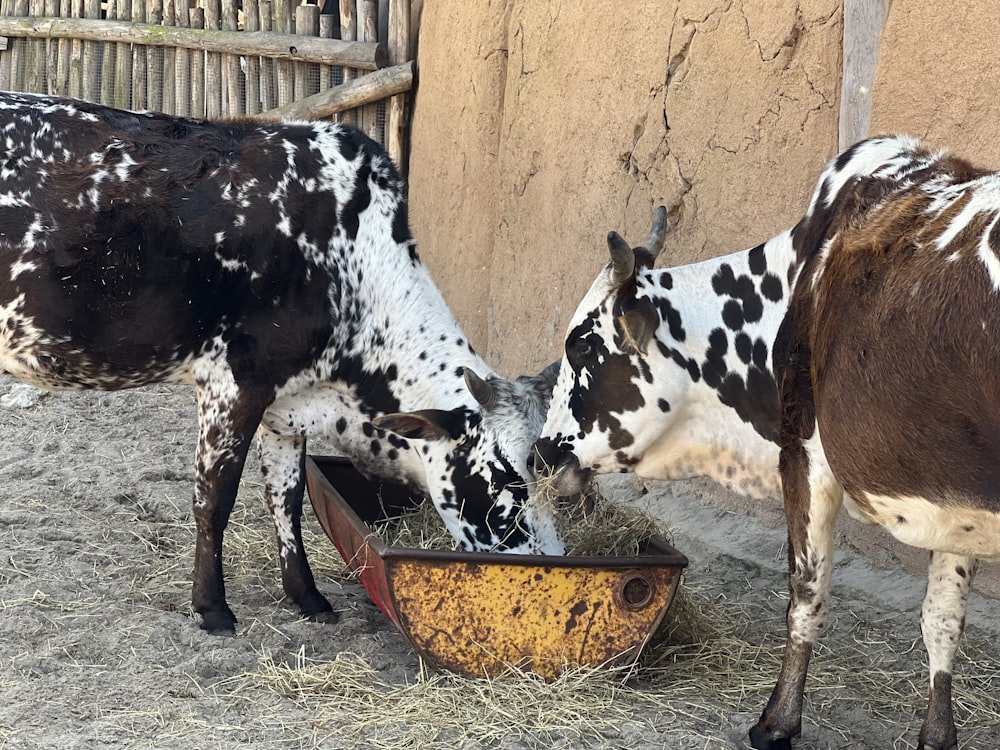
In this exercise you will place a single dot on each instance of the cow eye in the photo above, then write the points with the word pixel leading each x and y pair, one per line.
pixel 578 352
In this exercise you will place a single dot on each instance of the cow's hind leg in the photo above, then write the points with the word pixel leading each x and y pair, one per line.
pixel 282 464
pixel 812 500
pixel 227 419
pixel 942 622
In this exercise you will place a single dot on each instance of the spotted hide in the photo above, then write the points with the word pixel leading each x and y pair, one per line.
pixel 270 266
pixel 854 358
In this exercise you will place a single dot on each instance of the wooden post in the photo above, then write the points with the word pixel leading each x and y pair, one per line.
pixel 251 23
pixel 154 59
pixel 139 68
pixel 19 50
pixel 235 101
pixel 92 56
pixel 123 61
pixel 34 61
pixel 182 62
pixel 368 32
pixel 197 16
pixel 329 27
pixel 75 70
pixel 268 74
pixel 864 21
pixel 52 84
pixel 306 74
pixel 169 61
pixel 399 53
pixel 348 32
pixel 284 70
pixel 6 75
pixel 213 63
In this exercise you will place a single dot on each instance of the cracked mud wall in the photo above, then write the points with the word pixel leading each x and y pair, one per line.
pixel 540 126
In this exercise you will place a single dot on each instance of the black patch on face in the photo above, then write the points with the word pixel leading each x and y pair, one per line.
pixel 475 495
pixel 612 388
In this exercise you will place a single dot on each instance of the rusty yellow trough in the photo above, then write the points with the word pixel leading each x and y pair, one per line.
pixel 479 613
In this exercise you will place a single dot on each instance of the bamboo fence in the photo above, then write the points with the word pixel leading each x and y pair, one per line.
pixel 349 59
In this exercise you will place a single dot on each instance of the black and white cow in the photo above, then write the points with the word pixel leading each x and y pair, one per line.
pixel 271 267
pixel 858 353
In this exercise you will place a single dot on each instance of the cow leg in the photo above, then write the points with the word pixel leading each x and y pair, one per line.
pixel 942 621
pixel 282 465
pixel 812 500
pixel 227 419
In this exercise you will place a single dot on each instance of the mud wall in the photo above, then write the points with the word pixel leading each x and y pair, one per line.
pixel 538 127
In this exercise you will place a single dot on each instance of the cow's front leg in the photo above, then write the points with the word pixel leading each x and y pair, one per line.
pixel 282 465
pixel 949 578
pixel 812 500
pixel 227 419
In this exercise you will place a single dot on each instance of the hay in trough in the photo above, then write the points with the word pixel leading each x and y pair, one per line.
pixel 599 527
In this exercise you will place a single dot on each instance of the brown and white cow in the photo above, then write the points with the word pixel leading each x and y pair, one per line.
pixel 270 266
pixel 857 353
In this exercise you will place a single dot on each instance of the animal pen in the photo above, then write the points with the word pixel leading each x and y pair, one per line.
pixel 348 60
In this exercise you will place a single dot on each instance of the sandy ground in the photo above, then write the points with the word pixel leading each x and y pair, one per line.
pixel 98 648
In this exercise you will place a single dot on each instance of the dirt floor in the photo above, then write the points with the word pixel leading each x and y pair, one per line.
pixel 98 648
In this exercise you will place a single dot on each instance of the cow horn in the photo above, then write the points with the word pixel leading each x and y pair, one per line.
pixel 622 259
pixel 658 232
pixel 481 390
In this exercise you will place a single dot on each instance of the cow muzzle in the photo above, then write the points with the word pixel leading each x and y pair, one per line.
pixel 558 468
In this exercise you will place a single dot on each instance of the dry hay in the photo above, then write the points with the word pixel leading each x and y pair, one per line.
pixel 599 527
pixel 710 652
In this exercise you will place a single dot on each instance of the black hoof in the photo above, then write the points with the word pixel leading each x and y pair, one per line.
pixel 219 623
pixel 316 608
pixel 327 618
pixel 759 740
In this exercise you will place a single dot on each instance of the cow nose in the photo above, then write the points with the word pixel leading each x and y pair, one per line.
pixel 543 457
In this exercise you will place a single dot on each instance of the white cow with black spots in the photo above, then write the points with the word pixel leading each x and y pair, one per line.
pixel 855 358
pixel 271 267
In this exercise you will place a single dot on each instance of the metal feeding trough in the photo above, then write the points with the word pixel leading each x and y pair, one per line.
pixel 478 613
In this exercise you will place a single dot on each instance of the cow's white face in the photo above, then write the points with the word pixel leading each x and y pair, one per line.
pixel 476 463
pixel 604 414
pixel 598 421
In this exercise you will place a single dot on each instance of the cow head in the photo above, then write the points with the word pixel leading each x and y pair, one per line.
pixel 476 462
pixel 594 424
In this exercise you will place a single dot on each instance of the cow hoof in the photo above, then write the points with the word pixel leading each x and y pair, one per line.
pixel 315 608
pixel 327 618
pixel 219 623
pixel 760 740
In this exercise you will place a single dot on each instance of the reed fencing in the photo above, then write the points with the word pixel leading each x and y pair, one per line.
pixel 347 59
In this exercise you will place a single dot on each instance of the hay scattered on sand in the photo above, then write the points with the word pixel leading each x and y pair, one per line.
pixel 708 648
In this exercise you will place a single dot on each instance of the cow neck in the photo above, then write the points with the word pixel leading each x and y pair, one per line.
pixel 727 425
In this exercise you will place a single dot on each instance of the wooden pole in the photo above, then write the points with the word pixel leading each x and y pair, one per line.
pixel 235 101
pixel 359 92
pixel 365 56
pixel 306 74
pixel 182 61
pixel 349 32
pixel 251 23
pixel 197 16
pixel 399 53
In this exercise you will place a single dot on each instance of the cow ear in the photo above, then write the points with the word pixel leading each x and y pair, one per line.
pixel 638 326
pixel 426 424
